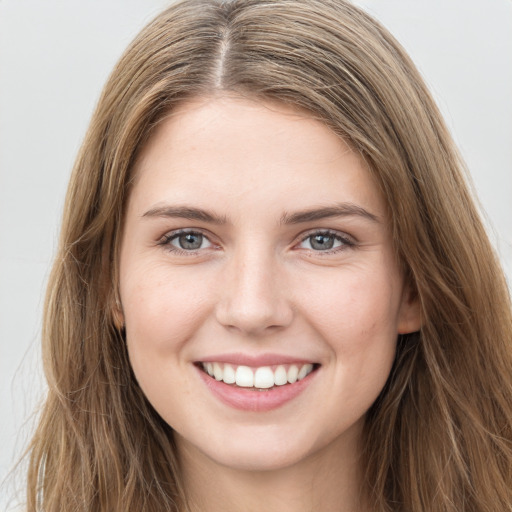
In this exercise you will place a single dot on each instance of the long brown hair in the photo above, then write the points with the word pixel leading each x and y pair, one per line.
pixel 439 437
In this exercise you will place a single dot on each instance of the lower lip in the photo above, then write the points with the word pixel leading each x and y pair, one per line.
pixel 249 399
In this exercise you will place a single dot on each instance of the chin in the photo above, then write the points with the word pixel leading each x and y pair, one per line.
pixel 249 449
pixel 259 459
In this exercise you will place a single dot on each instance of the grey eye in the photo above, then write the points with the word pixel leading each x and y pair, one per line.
pixel 190 241
pixel 322 242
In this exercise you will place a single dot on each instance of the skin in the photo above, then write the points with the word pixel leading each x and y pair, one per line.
pixel 256 285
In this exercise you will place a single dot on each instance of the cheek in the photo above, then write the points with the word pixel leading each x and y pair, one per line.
pixel 162 309
pixel 162 313
pixel 355 309
pixel 356 315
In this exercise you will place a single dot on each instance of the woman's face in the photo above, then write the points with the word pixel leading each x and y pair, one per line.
pixel 257 247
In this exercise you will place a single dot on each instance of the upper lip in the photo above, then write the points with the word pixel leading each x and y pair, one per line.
pixel 254 361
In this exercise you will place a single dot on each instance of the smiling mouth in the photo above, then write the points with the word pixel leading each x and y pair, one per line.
pixel 263 378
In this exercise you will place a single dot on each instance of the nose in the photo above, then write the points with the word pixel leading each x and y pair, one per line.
pixel 254 299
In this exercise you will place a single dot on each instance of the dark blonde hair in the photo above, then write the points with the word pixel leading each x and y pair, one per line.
pixel 439 437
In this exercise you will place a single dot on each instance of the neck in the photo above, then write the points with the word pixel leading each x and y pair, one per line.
pixel 329 480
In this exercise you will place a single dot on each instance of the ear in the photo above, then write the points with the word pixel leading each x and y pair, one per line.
pixel 409 319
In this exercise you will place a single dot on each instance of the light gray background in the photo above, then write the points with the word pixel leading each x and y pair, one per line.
pixel 54 58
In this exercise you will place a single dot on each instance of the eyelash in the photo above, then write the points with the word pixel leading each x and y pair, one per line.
pixel 167 239
pixel 346 242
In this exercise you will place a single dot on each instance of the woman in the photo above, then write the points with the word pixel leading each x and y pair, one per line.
pixel 273 289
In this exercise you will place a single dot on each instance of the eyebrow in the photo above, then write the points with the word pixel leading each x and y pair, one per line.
pixel 339 210
pixel 185 212
pixel 199 214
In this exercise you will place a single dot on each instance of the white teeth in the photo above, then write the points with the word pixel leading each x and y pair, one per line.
pixel 229 374
pixel 280 377
pixel 262 378
pixel 293 371
pixel 244 377
pixel 217 371
pixel 305 370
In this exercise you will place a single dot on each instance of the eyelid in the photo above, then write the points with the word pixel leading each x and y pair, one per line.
pixel 166 239
pixel 347 240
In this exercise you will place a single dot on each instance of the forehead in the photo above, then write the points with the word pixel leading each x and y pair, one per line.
pixel 247 151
